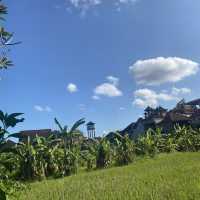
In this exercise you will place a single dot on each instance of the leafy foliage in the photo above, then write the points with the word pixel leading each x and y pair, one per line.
pixel 147 144
pixel 7 121
pixel 103 159
pixel 61 154
pixel 70 159
pixel 125 150
pixel 5 41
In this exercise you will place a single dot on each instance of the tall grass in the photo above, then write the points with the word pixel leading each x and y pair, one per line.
pixel 166 177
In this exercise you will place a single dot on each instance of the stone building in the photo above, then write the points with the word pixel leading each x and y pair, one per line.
pixel 185 113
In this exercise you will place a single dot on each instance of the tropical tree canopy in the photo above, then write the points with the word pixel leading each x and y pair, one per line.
pixel 5 41
pixel 7 121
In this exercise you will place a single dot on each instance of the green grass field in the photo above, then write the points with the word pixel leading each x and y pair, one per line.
pixel 173 176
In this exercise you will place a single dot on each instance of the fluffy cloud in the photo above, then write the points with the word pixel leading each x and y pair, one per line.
pixel 113 80
pixel 42 109
pixel 84 5
pixel 72 88
pixel 180 91
pixel 162 70
pixel 95 97
pixel 146 97
pixel 107 89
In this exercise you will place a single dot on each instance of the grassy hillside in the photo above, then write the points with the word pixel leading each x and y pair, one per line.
pixel 173 177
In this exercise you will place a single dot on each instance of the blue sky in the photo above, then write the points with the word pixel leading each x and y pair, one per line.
pixel 98 59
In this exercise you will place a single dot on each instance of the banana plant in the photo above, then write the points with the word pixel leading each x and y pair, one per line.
pixel 7 121
pixel 125 149
pixel 147 145
pixel 25 157
pixel 67 136
pixel 88 153
pixel 45 148
pixel 103 157
pixel 187 139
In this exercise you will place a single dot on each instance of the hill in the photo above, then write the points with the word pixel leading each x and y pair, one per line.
pixel 166 177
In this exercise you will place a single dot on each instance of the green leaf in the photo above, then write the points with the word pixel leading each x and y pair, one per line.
pixel 2 195
pixel 77 124
pixel 58 124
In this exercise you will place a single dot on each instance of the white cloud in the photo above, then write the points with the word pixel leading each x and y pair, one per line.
pixel 162 70
pixel 179 91
pixel 38 108
pixel 113 80
pixel 107 89
pixel 146 97
pixel 126 1
pixel 72 88
pixel 95 97
pixel 122 108
pixel 84 5
pixel 142 103
pixel 42 109
pixel 48 109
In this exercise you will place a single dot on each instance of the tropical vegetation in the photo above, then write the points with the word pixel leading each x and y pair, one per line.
pixel 67 152
pixel 64 153
pixel 165 177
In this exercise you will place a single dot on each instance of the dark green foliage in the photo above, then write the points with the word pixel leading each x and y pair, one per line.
pixel 103 158
pixel 147 144
pixel 46 157
pixel 8 121
pixel 9 187
pixel 125 150
pixel 5 38
pixel 187 139
pixel 88 153
pixel 5 41
pixel 51 157
pixel 5 63
pixel 3 11
pixel 70 160
pixel 2 194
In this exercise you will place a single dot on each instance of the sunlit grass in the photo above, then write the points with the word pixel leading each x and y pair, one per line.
pixel 173 177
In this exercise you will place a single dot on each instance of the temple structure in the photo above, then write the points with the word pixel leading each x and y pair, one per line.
pixel 185 113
